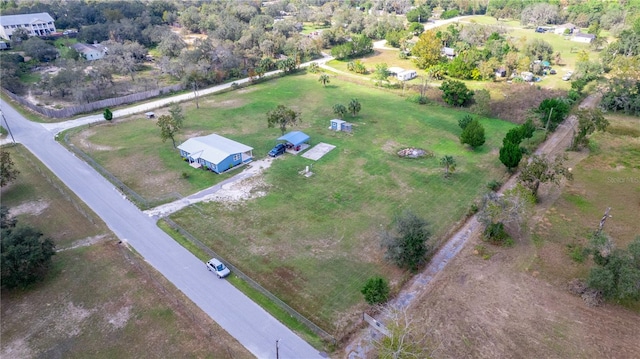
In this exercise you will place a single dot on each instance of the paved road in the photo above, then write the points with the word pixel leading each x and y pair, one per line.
pixel 254 328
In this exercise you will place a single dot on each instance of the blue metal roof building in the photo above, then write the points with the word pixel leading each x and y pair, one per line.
pixel 295 138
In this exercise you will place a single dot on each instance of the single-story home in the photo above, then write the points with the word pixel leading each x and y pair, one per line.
pixel 407 75
pixel 449 52
pixel 90 52
pixel 394 70
pixel 295 138
pixel 585 38
pixel 501 72
pixel 564 27
pixel 215 152
pixel 526 76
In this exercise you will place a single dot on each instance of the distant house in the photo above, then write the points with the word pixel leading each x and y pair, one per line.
pixel 394 71
pixel 407 75
pixel 526 76
pixel 562 28
pixel 4 45
pixel 402 74
pixel 584 38
pixel 40 24
pixel 215 153
pixel 90 52
pixel 449 52
pixel 501 72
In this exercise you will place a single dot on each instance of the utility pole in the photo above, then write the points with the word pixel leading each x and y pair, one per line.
pixel 8 129
pixel 277 354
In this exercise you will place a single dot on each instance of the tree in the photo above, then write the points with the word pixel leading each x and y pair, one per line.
pixel 168 128
pixel 376 290
pixel 354 107
pixel 552 111
pixel 455 93
pixel 510 155
pixel 176 114
pixel 473 134
pixel 427 50
pixel 282 117
pixel 538 49
pixel 543 170
pixel 382 72
pixel 39 49
pixel 8 172
pixel 465 121
pixel 339 110
pixel 539 14
pixel 481 102
pixel 589 121
pixel 617 271
pixel 407 244
pixel 107 114
pixel 25 256
pixel 512 209
pixel 449 164
pixel 324 78
pixel 404 340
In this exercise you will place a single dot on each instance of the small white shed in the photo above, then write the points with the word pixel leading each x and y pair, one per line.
pixel 336 124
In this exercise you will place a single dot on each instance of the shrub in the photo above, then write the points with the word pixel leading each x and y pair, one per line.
pixel 494 185
pixel 465 121
pixel 376 290
pixel 496 234
pixel 473 134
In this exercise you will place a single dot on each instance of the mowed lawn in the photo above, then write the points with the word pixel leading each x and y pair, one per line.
pixel 313 241
pixel 97 302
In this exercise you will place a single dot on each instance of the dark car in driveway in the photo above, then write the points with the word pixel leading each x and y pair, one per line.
pixel 277 150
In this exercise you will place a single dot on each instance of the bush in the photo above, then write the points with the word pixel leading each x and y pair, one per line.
pixel 376 290
pixel 473 134
pixel 494 185
pixel 465 121
pixel 449 14
pixel 407 245
pixel 456 93
pixel 496 234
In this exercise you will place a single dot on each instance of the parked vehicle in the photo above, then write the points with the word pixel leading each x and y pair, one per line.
pixel 540 30
pixel 552 72
pixel 277 150
pixel 218 268
pixel 567 76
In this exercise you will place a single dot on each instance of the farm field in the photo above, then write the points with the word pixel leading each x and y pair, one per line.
pixel 313 241
pixel 100 300
pixel 515 304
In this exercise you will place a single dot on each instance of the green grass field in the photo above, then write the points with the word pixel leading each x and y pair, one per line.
pixel 314 241
pixel 98 301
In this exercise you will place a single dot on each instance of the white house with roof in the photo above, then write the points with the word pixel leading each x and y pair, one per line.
pixel 90 52
pixel 215 153
pixel 584 38
pixel 40 24
pixel 564 27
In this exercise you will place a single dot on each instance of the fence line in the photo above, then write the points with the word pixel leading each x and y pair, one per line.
pixel 309 324
pixel 93 106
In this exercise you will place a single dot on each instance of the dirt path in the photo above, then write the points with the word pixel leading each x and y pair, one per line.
pixel 556 144
pixel 243 186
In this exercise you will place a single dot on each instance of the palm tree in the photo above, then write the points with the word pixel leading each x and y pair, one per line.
pixel 449 164
pixel 324 78
pixel 354 106
pixel 339 110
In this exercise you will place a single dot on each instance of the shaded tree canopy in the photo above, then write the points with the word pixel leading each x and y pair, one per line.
pixel 407 244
